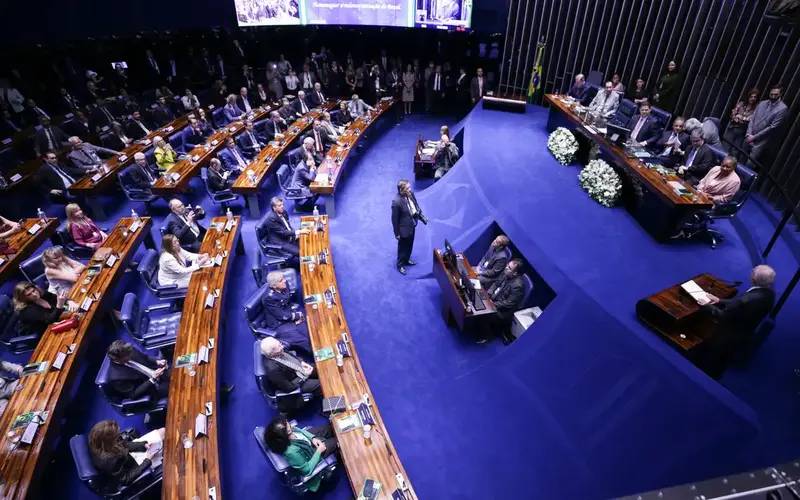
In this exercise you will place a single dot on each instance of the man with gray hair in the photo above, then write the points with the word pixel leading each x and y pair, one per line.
pixel 286 371
pixel 578 89
pixel 138 175
pixel 605 102
pixel 707 127
pixel 282 315
pixel 697 160
pixel 84 155
pixel 737 319
pixel 357 107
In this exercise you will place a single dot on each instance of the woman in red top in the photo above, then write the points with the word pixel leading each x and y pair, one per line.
pixel 82 229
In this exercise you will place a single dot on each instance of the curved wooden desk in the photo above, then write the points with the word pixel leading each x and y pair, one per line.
pixel 193 472
pixel 21 465
pixel 375 459
pixel 24 244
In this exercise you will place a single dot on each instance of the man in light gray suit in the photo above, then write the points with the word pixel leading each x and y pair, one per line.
pixel 9 379
pixel 358 107
pixel 606 101
pixel 765 125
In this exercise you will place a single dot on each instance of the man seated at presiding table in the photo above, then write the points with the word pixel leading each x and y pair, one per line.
pixel 56 177
pixel 493 262
pixel 578 89
pixel 281 315
pixel 111 449
pixel 217 178
pixel 302 449
pixel 232 157
pixel 166 157
pixel 61 271
pixel 134 374
pixel 507 293
pixel 182 222
pixel 671 146
pixel 644 127
pixel 698 159
pixel 82 229
pixel 84 155
pixel 9 380
pixel 444 156
pixel 358 107
pixel 176 265
pixel 605 102
pixel 285 370
pixel 37 309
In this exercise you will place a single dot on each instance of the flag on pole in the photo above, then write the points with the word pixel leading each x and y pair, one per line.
pixel 536 73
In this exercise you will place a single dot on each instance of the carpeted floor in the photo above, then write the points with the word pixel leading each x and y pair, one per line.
pixel 587 404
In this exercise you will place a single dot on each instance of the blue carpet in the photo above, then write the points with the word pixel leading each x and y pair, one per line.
pixel 587 404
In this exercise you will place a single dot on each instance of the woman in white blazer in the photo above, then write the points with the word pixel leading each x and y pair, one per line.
pixel 176 265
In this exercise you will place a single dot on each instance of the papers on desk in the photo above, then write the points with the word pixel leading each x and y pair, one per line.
pixel 428 151
pixel 153 440
pixel 679 188
pixel 229 225
pixel 210 299
pixel 200 425
pixel 321 178
pixel 34 228
pixel 111 260
pixel 698 294
pixel 15 177
pixel 26 418
pixel 348 422
pixel 59 361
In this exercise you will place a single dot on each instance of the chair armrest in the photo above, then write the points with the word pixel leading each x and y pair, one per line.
pixel 160 308
pixel 268 332
pixel 281 394
pixel 23 338
pixel 132 405
pixel 322 465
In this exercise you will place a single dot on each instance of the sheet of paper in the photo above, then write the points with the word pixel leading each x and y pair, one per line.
pixel 697 293
pixel 153 439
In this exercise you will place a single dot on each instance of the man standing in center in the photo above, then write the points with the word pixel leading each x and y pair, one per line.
pixel 405 215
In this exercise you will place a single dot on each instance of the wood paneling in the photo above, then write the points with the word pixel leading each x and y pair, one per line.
pixel 24 244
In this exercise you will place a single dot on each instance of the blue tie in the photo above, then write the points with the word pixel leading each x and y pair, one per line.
pixel 690 160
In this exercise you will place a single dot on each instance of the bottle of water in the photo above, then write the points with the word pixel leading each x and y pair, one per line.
pixel 42 216
pixel 316 213
pixel 134 215
pixel 229 214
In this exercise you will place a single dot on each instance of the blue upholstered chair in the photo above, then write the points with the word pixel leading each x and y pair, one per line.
pixel 275 397
pixel 154 327
pixel 274 255
pixel 8 159
pixel 148 270
pixel 176 141
pixel 254 312
pixel 625 111
pixel 528 287
pixel 285 174
pixel 221 198
pixel 126 406
pixel 32 269
pixel 291 478
pixel 134 193
pixel 101 486
pixel 9 329
pixel 662 116
pixel 591 91
pixel 64 238
pixel 218 116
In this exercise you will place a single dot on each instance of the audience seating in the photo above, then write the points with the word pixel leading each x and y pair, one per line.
pixel 282 401
pixel 126 406
pixel 32 269
pixel 298 484
pixel 148 270
pixel 155 326
pixel 254 312
pixel 9 331
pixel 89 475
pixel 221 198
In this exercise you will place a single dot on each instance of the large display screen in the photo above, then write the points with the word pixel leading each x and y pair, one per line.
pixel 441 14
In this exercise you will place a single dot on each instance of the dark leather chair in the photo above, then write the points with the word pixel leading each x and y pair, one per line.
pixel 662 116
pixel 280 400
pixel 289 475
pixel 528 286
pixel 126 406
pixel 148 270
pixel 254 312
pixel 99 485
pixel 176 141
pixel 591 91
pixel 32 269
pixel 155 326
pixel 9 329
pixel 625 111
pixel 8 159
pixel 221 198
pixel 64 238
pixel 134 193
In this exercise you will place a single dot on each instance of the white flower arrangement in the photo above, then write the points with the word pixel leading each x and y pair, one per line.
pixel 563 145
pixel 601 182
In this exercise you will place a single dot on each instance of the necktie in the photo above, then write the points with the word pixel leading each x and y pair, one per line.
pixel 285 221
pixel 436 82
pixel 668 149
pixel 690 159
pixel 246 104
pixel 277 130
pixel 108 115
pixel 480 86
pixel 638 128
pixel 50 140
pixel 147 174
pixel 141 125
pixel 319 96
pixel 40 112
pixel 317 142
pixel 303 106
pixel 64 176
pixel 239 158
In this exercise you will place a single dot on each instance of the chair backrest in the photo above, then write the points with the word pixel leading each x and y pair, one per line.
pixel 63 235
pixel 591 91
pixel 595 78
pixel 176 141
pixel 218 115
pixel 526 296
pixel 102 380
pixel 277 460
pixel 625 111
pixel 294 155
pixel 79 446
pixel 252 307
pixel 285 177
pixel 661 115
pixel 148 268
pixel 33 269
pixel 718 152
pixel 261 228
pixel 130 314
pixel 748 179
pixel 260 370
pixel 6 316
pixel 125 179
pixel 714 120
pixel 106 139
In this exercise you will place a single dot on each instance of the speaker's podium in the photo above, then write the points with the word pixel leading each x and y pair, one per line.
pixel 463 303
pixel 503 100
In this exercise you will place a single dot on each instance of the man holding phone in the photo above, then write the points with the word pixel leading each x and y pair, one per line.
pixel 182 222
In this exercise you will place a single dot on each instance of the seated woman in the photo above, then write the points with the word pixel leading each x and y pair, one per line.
pixel 176 265
pixel 303 449
pixel 82 229
pixel 165 155
pixel 111 449
pixel 36 309
pixel 61 271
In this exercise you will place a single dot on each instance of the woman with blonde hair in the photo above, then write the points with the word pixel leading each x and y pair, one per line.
pixel 61 271
pixel 176 265
pixel 36 309
pixel 83 229
pixel 165 155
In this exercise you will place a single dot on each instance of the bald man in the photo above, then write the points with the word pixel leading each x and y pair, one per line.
pixel 139 175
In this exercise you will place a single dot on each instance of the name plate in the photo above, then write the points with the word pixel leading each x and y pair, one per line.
pixel 174 176
pixel 170 128
pixel 195 158
pixel 112 259
pixel 218 260
pixel 214 142
pixel 200 425
pixel 15 177
pixel 2 261
pixel 210 298
pixel 6 142
pixel 209 408
pixel 133 227
pixel 146 142
pixel 30 433
pixel 34 228
pixel 86 304
pixel 212 493
pixel 96 177
pixel 231 129
pixel 59 361
pixel 229 225
pixel 202 355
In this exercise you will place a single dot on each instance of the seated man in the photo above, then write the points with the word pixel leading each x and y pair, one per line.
pixel 162 113
pixel 194 134
pixel 304 175
pixel 286 372
pixel 707 127
pixel 287 109
pixel 343 117
pixel 301 104
pixel 231 110
pixel 57 177
pixel 605 102
pixel 251 141
pixel 9 380
pixel 322 140
pixel 133 374
pixel 216 178
pixel 84 155
pixel 445 155
pixel 137 127
pixel 672 144
pixel 182 223
pixel 48 137
pixel 644 127
pixel 698 159
pixel 721 183
pixel 139 175
pixel 507 294
pixel 280 228
pixel 358 107
pixel 309 150
pixel 332 130
pixel 232 158
pixel 578 89
pixel 317 98
pixel 493 262
pixel 288 322
pixel 276 125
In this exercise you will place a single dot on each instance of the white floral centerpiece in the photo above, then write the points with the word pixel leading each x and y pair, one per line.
pixel 601 182
pixel 563 145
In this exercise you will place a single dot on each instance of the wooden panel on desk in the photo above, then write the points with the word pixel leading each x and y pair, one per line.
pixel 676 316
pixel 329 171
pixel 188 167
pixel 24 245
pixel 21 467
pixel 261 166
pixel 376 459
pixel 190 472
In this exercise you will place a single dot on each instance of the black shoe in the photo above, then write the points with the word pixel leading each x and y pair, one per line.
pixel 227 389
pixel 411 263
pixel 402 270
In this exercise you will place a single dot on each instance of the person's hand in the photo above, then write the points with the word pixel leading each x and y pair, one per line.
pixel 316 441
pixel 61 299
pixel 159 371
pixel 643 143
pixel 162 362
pixel 681 170
pixel 56 192
pixel 712 298
pixel 190 216
pixel 320 446
pixel 307 369
pixel 749 139
pixel 152 451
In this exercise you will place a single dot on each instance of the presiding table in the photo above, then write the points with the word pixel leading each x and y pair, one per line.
pixel 23 243
pixel 50 390
pixel 423 160
pixel 330 170
pixel 191 461
pixel 257 172
pixel 676 316
pixel 374 458
pixel 660 202
pixel 455 306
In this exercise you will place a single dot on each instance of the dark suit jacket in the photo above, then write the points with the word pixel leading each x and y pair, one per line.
pixel 298 108
pixel 40 139
pixel 135 131
pixel 507 294
pixel 474 90
pixel 281 377
pixel 99 118
pixel 240 103
pixel 51 180
pixel 137 178
pixel 269 128
pixel 579 93
pixel 683 138
pixel 228 159
pixel 247 145
pixel 314 99
pixel 216 183
pixel 192 138
pixel 277 232
pixel 162 115
pixel 34 319
pixel 341 117
pixel 493 262
pixel 650 130
pixel 121 468
pixel 325 139
pixel 181 230
pixel 739 316
pixel 702 163
pixel 402 221
pixel 129 383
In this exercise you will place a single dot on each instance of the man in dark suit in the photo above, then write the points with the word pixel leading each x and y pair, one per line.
pixel 494 261
pixel 133 374
pixel 737 320
pixel 276 125
pixel 182 223
pixel 233 160
pixel 434 89
pixel 250 141
pixel 342 116
pixel 304 174
pixel 162 113
pixel 301 104
pixel 280 315
pixel 56 178
pixel 216 178
pixel 672 144
pixel 507 293
pixel 194 134
pixel 579 88
pixel 139 175
pixel 279 228
pixel 48 137
pixel 644 127
pixel 698 159
pixel 101 116
pixel 406 213
pixel 137 127
pixel 322 140
pixel 316 97
pixel 66 102
pixel 32 112
pixel 478 86
pixel 309 150
pixel 243 101
pixel 286 371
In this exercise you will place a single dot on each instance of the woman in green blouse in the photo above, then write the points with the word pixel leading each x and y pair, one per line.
pixel 302 448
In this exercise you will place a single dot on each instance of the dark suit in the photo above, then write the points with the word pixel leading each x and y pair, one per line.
pixel 701 163
pixel 216 182
pixel 229 159
pixel 491 266
pixel 192 137
pixel 42 139
pixel 661 145
pixel 251 143
pixel 162 114
pixel 281 234
pixel 316 99
pixel 507 294
pixel 649 131
pixel 135 130
pixel 138 177
pixel 240 104
pixel 340 117
pixel 301 180
pixel 51 181
pixel 271 128
pixel 737 320
pixel 298 105
pixel 285 379
pixel 121 467
pixel 320 136
pixel 431 94
pixel 404 225
pixel 232 112
pixel 279 315
pixel 188 240
pixel 129 383
pixel 101 116
pixel 578 92
pixel 474 89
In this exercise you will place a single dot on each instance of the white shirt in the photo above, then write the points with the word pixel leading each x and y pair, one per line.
pixel 171 271
pixel 246 103
pixel 437 81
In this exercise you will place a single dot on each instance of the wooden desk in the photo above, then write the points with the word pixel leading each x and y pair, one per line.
pixel 261 166
pixel 188 167
pixel 21 174
pixel 191 472
pixel 375 459
pixel 675 315
pixel 24 245
pixel 330 170
pixel 648 196
pixel 423 163
pixel 454 304
pixel 21 466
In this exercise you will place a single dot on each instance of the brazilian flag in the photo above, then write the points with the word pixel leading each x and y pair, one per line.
pixel 536 73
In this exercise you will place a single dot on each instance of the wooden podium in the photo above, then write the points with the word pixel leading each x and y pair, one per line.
pixel 455 308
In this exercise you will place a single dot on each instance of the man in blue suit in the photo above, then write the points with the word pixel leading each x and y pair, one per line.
pixel 644 127
pixel 232 158
pixel 251 141
pixel 231 111
pixel 280 231
pixel 288 322
pixel 194 135
pixel 317 98
pixel 275 125
pixel 304 175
